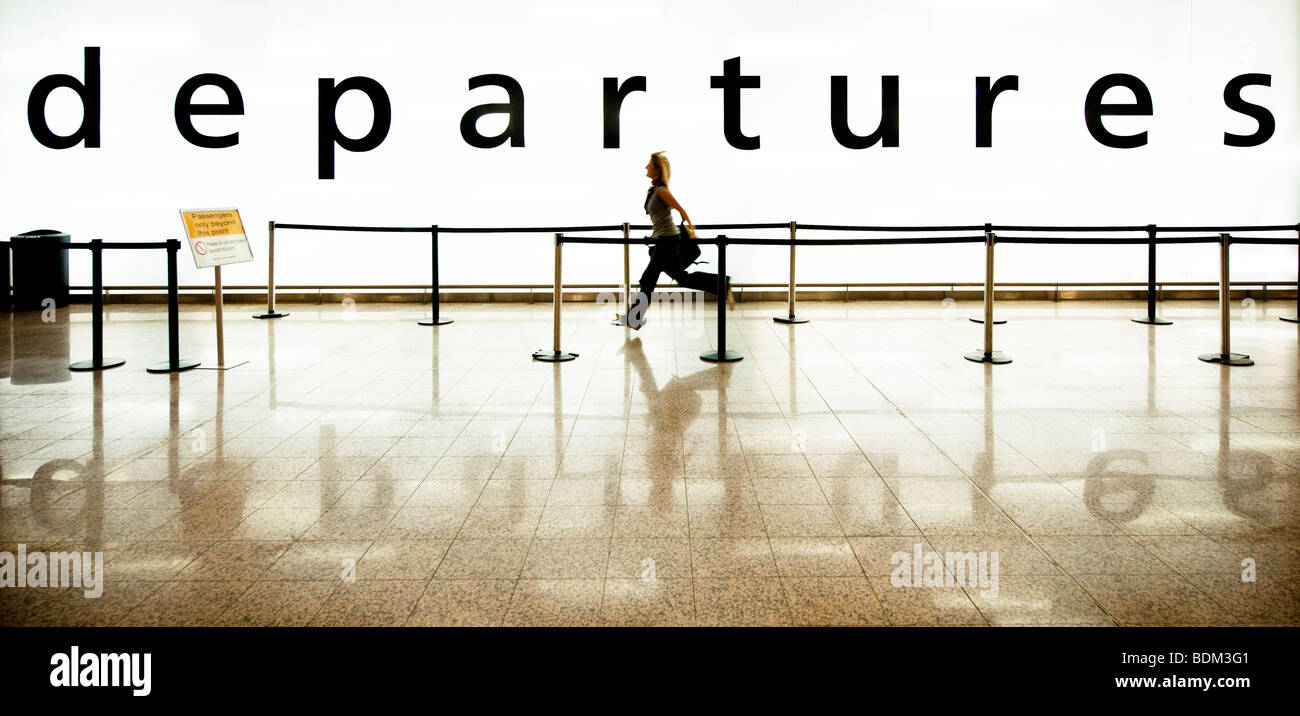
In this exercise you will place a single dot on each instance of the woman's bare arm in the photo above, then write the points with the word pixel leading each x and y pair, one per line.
pixel 667 197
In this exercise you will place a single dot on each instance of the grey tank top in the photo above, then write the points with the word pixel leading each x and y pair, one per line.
pixel 661 215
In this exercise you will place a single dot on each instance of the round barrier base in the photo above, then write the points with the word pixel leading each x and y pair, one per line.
pixel 724 357
pixel 84 365
pixel 790 319
pixel 554 356
pixel 167 367
pixel 1290 319
pixel 269 314
pixel 431 322
pixel 996 321
pixel 1152 320
pixel 996 357
pixel 1226 358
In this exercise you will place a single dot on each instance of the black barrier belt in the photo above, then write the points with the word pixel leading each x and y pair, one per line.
pixel 841 227
pixel 859 242
pixel 1225 229
pixel 1079 240
pixel 1169 240
pixel 783 242
pixel 615 227
pixel 118 245
pixel 936 240
pixel 525 229
pixel 783 225
pixel 325 227
pixel 1261 240
pixel 1176 229
pixel 620 240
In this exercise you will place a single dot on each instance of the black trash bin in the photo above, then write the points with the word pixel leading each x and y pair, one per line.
pixel 6 297
pixel 40 269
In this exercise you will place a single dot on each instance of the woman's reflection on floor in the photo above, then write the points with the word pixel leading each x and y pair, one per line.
pixel 671 411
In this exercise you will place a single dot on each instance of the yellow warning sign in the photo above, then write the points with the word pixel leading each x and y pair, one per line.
pixel 206 223
pixel 216 237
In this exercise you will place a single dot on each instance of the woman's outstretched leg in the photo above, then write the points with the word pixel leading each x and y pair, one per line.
pixel 635 316
pixel 701 281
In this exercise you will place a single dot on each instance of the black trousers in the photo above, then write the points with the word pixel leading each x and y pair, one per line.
pixel 665 258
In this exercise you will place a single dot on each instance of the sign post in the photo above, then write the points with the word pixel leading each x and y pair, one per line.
pixel 217 238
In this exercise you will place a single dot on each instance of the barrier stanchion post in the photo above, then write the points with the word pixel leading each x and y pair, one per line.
pixel 435 318
pixel 97 360
pixel 555 355
pixel 219 303
pixel 1225 356
pixel 790 317
pixel 1296 318
pixel 174 362
pixel 988 228
pixel 1151 318
pixel 270 275
pixel 721 355
pixel 627 269
pixel 988 355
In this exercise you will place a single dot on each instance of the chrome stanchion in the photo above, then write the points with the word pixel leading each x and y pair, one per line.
pixel 721 355
pixel 988 355
pixel 174 362
pixel 790 317
pixel 1225 356
pixel 1151 318
pixel 555 355
pixel 270 275
pixel 1296 318
pixel 987 316
pixel 434 319
pixel 97 360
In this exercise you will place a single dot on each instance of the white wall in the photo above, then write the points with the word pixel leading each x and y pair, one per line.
pixel 1044 166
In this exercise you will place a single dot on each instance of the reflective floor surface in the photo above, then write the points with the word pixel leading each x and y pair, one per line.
pixel 361 469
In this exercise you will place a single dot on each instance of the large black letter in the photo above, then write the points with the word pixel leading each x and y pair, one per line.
pixel 731 82
pixel 89 94
pixel 515 108
pixel 186 109
pixel 985 96
pixel 1232 98
pixel 328 133
pixel 1093 110
pixel 614 94
pixel 886 130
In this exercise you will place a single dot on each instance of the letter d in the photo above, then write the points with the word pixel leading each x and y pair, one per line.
pixel 88 93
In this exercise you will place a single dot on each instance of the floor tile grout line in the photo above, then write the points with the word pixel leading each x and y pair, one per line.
pixel 1024 532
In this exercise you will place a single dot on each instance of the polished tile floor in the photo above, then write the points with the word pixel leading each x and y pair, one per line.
pixel 362 470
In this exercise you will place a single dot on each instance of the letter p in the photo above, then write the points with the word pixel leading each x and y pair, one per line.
pixel 329 133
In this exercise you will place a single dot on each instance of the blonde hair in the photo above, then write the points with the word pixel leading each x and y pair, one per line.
pixel 665 168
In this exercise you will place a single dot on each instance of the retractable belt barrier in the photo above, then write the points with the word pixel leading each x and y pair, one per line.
pixel 987 353
pixel 990 239
pixel 97 361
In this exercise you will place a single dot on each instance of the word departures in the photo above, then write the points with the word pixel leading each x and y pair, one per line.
pixel 731 82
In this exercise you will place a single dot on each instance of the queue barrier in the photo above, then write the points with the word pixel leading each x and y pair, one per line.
pixel 97 361
pixel 987 353
pixel 990 238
